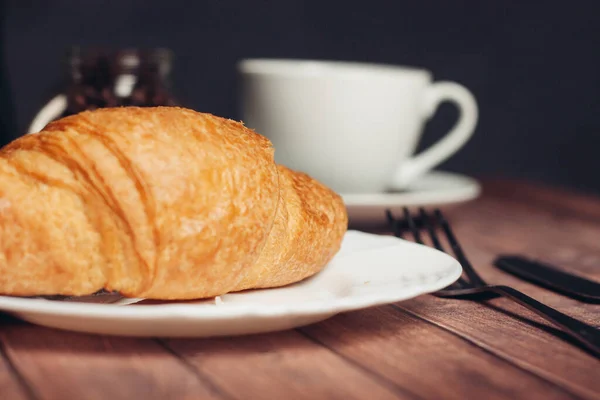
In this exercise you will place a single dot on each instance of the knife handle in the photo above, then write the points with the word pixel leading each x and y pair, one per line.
pixel 550 277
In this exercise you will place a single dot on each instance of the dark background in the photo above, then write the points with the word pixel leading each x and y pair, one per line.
pixel 533 66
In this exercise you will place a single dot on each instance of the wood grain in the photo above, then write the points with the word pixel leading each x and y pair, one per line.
pixel 515 341
pixel 64 365
pixel 283 365
pixel 9 383
pixel 432 362
pixel 425 347
pixel 12 385
pixel 503 222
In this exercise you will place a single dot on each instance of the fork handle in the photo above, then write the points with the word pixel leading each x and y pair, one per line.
pixel 585 334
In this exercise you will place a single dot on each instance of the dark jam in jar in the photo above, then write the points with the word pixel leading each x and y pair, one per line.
pixel 100 78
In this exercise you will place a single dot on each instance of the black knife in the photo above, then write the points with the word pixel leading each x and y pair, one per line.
pixel 550 277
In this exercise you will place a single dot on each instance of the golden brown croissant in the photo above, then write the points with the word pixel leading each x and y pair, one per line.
pixel 162 203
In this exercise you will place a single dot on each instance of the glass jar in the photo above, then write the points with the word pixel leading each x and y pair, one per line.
pixel 99 78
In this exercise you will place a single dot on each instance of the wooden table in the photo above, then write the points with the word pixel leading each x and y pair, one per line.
pixel 422 348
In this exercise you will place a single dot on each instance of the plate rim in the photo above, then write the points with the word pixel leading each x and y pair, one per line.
pixel 20 305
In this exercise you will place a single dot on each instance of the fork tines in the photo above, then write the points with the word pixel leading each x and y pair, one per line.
pixel 582 333
pixel 426 220
pixel 431 223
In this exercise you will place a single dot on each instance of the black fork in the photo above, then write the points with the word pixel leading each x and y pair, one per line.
pixel 477 289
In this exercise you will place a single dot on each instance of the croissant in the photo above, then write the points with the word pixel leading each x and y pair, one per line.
pixel 158 203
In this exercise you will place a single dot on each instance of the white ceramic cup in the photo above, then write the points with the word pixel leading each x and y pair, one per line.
pixel 353 126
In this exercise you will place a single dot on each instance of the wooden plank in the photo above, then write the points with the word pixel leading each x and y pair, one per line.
pixel 432 362
pixel 283 365
pixel 431 348
pixel 537 229
pixel 64 365
pixel 491 227
pixel 12 385
pixel 526 346
pixel 558 200
pixel 504 222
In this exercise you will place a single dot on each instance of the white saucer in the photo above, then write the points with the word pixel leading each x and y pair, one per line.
pixel 369 270
pixel 433 189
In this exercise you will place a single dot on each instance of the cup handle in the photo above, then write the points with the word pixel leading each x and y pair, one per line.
pixel 461 132
pixel 52 110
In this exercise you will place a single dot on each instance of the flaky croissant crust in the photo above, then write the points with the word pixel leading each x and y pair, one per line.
pixel 163 203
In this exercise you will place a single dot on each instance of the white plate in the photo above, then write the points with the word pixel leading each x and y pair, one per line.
pixel 433 189
pixel 369 270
